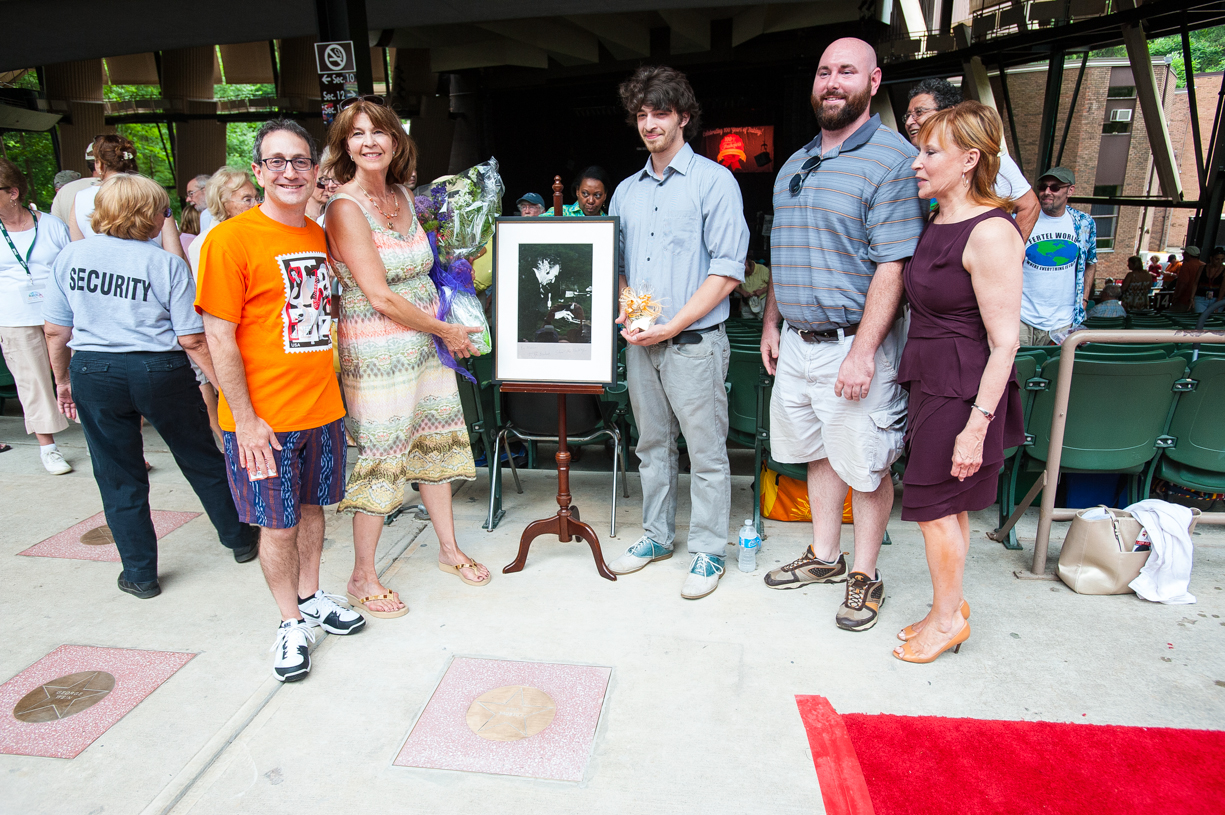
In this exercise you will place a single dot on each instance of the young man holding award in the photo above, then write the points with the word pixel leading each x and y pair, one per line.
pixel 683 243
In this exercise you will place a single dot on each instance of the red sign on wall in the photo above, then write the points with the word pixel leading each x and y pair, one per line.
pixel 741 149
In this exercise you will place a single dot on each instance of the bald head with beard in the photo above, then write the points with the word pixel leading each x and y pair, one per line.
pixel 846 80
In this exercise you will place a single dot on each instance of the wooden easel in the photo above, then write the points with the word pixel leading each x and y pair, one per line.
pixel 566 523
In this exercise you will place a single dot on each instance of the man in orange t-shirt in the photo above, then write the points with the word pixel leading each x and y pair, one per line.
pixel 264 289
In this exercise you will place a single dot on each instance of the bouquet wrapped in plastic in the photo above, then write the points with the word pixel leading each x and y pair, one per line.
pixel 458 213
pixel 641 308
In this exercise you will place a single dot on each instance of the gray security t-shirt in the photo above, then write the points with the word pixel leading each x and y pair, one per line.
pixel 121 295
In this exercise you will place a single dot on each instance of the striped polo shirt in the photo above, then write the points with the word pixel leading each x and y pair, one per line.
pixel 859 208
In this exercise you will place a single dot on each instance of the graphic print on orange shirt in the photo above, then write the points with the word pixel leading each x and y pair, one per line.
pixel 307 317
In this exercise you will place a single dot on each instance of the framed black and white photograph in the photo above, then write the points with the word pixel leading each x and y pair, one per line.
pixel 555 294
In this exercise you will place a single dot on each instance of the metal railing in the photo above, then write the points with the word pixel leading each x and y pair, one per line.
pixel 1063 388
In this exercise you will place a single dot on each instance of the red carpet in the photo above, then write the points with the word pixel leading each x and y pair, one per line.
pixel 927 765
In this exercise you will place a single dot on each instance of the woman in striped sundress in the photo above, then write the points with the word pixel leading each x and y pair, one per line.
pixel 403 404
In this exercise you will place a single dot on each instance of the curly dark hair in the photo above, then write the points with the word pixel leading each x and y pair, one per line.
pixel 664 89
pixel 944 92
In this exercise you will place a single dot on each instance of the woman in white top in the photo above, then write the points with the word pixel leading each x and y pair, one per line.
pixel 114 155
pixel 29 244
pixel 229 192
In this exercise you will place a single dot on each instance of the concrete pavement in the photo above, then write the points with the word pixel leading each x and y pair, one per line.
pixel 700 712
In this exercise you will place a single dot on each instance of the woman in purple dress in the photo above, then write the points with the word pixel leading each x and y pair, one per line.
pixel 964 288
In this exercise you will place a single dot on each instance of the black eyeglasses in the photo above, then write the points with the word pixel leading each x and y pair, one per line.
pixel 278 165
pixel 353 100
pixel 797 180
pixel 1051 187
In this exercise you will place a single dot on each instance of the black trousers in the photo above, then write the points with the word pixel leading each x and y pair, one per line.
pixel 112 393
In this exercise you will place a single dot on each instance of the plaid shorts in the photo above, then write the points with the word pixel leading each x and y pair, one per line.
pixel 310 471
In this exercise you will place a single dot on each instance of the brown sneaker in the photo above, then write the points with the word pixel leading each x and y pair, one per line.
pixel 864 597
pixel 806 570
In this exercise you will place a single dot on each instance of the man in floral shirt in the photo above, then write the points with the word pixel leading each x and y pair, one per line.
pixel 1059 253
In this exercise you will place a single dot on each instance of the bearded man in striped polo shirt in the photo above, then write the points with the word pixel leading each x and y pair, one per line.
pixel 846 218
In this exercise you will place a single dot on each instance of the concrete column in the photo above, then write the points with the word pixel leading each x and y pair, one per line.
pixel 415 88
pixel 80 85
pixel 300 83
pixel 187 83
pixel 466 109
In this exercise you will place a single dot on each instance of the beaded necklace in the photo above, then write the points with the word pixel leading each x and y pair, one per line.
pixel 389 218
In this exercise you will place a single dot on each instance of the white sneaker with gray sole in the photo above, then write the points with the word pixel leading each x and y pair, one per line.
pixel 53 461
pixel 704 575
pixel 639 555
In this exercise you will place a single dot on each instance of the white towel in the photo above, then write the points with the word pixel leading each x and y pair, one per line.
pixel 1167 573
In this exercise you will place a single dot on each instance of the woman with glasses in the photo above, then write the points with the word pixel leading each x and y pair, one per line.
pixel 125 309
pixel 964 287
pixel 116 155
pixel 31 242
pixel 403 404
pixel 325 188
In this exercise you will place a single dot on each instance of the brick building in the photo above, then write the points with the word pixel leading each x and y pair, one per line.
pixel 1107 147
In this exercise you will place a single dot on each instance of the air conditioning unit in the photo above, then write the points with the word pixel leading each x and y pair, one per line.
pixel 1120 115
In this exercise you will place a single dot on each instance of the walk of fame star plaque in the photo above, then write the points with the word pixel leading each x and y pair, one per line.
pixel 92 539
pixel 530 719
pixel 66 700
pixel 64 697
pixel 511 713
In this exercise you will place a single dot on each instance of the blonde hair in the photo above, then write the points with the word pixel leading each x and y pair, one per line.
pixel 973 126
pixel 341 167
pixel 189 221
pixel 223 184
pixel 127 207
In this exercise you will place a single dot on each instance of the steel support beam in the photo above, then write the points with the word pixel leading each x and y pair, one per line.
pixel 1050 113
pixel 1201 170
pixel 1154 111
pixel 1067 124
pixel 1208 220
pixel 1012 119
pixel 346 20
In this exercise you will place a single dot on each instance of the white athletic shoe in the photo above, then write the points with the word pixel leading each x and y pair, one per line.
pixel 292 647
pixel 53 460
pixel 323 610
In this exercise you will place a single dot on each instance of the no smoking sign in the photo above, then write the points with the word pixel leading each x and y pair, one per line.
pixel 335 57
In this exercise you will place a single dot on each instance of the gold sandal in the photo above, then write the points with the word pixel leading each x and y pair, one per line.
pixel 908 633
pixel 456 570
pixel 360 605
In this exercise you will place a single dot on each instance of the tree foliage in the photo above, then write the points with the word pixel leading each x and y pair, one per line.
pixel 1207 52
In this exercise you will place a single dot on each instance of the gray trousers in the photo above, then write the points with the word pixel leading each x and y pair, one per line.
pixel 679 389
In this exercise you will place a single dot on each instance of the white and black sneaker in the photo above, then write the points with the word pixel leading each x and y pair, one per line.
pixel 322 610
pixel 292 647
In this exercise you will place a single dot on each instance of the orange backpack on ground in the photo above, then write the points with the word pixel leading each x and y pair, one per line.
pixel 786 499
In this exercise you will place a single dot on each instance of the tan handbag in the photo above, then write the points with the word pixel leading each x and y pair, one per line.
pixel 1098 555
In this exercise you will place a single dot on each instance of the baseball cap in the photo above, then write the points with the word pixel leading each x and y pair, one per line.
pixel 1059 174
pixel 89 152
pixel 1193 251
pixel 531 198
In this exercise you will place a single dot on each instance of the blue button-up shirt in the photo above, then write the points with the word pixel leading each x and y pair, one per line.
pixel 679 228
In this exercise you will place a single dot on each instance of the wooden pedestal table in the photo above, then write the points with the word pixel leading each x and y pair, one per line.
pixel 566 524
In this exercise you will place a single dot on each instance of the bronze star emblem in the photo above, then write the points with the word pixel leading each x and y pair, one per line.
pixel 64 697
pixel 511 713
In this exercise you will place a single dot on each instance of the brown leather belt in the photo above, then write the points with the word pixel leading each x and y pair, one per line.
pixel 829 335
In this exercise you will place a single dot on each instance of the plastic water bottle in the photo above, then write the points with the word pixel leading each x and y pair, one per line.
pixel 750 542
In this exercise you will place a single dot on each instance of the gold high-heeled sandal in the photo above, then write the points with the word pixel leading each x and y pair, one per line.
pixel 908 633
pixel 954 643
